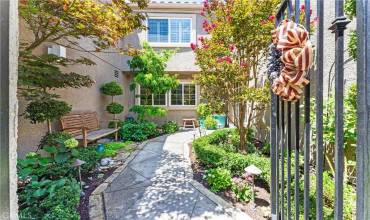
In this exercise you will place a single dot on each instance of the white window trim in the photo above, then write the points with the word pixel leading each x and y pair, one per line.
pixel 192 17
pixel 182 105
pixel 138 98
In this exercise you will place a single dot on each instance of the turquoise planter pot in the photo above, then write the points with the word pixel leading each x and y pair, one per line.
pixel 221 121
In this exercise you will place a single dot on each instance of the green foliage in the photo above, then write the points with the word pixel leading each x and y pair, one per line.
pixel 112 89
pixel 349 198
pixel 350 8
pixel 241 189
pixel 170 127
pixel 137 130
pixel 67 21
pixel 350 117
pixel 352 45
pixel 54 139
pixel 204 110
pixel 71 143
pixel 212 154
pixel 115 108
pixel 149 69
pixel 229 60
pixel 90 156
pixel 218 179
pixel 210 122
pixel 145 112
pixel 49 199
pixel 112 148
pixel 39 111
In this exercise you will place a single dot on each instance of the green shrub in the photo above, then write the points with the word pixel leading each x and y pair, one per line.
pixel 112 148
pixel 49 199
pixel 204 110
pixel 115 108
pixel 146 112
pixel 218 179
pixel 54 139
pixel 112 88
pixel 210 122
pixel 138 131
pixel 241 189
pixel 90 156
pixel 170 127
pixel 214 155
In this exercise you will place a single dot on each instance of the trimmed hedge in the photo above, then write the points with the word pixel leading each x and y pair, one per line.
pixel 212 155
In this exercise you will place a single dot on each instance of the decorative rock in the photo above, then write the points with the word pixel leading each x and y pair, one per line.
pixel 86 187
pixel 90 178
pixel 253 170
pixel 106 161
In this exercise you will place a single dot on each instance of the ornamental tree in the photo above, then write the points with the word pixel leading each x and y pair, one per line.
pixel 149 68
pixel 64 22
pixel 230 58
pixel 113 89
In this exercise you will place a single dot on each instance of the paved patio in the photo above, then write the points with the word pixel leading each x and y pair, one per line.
pixel 156 185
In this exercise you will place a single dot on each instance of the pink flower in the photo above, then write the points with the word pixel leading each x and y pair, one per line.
pixel 193 46
pixel 202 13
pixel 228 59
pixel 302 7
pixel 243 64
pixel 201 38
pixel 213 26
pixel 232 48
pixel 271 18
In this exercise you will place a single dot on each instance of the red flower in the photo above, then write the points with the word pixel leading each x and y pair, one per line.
pixel 271 18
pixel 193 46
pixel 302 7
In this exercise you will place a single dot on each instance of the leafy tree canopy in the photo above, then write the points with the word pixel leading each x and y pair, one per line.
pixel 65 21
pixel 149 69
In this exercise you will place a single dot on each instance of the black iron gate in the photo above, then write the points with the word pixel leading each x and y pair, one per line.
pixel 285 122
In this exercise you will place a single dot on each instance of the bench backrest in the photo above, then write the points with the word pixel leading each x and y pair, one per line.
pixel 77 120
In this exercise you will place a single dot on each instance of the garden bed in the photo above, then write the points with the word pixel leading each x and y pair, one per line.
pixel 259 210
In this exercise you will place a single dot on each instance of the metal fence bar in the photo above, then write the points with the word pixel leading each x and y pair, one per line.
pixel 278 138
pixel 273 158
pixel 282 156
pixel 319 111
pixel 363 111
pixel 338 28
pixel 289 162
pixel 4 111
pixel 296 124
pixel 307 127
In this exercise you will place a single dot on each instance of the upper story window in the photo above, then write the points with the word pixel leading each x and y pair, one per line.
pixel 169 30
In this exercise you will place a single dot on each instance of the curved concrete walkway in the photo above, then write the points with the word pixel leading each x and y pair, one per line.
pixel 157 184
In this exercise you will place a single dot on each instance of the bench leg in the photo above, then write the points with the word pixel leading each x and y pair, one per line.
pixel 116 136
pixel 84 136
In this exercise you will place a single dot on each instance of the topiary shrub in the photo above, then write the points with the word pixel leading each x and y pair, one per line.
pixel 170 127
pixel 115 108
pixel 113 89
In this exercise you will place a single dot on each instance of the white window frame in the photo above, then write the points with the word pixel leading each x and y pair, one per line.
pixel 192 17
pixel 182 105
pixel 138 98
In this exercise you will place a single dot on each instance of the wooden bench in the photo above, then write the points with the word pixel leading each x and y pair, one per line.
pixel 189 122
pixel 85 127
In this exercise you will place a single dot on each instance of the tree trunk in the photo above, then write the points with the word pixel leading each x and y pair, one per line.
pixel 49 126
pixel 242 129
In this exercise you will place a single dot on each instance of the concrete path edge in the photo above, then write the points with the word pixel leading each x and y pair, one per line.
pixel 96 199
